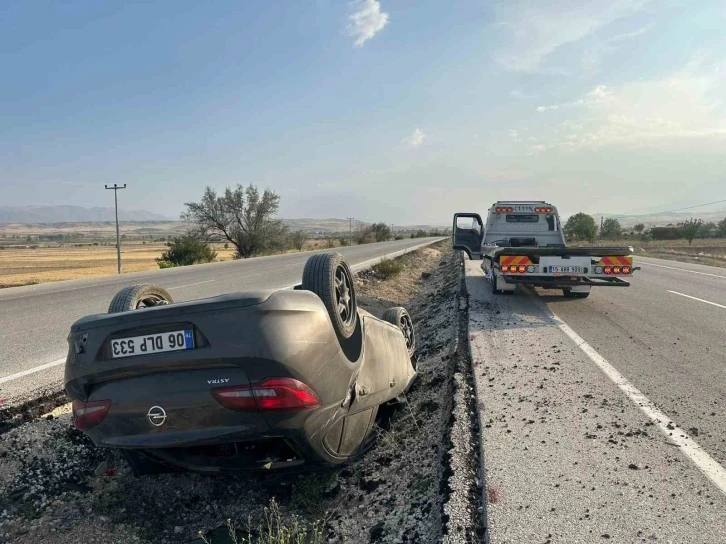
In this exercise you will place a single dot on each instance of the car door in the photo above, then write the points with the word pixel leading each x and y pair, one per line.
pixel 468 233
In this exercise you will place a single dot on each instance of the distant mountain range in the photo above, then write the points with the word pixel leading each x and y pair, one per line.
pixel 42 217
pixel 72 214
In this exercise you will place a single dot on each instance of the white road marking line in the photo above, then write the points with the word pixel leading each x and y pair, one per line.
pixel 683 270
pixel 690 448
pixel 698 299
pixel 33 370
pixel 190 284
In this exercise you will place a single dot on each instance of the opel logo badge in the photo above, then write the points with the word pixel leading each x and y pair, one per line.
pixel 157 416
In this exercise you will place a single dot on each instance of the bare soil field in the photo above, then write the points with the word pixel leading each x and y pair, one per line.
pixel 56 486
pixel 55 262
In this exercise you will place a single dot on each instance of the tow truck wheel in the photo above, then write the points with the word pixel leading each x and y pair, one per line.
pixel 570 294
pixel 494 286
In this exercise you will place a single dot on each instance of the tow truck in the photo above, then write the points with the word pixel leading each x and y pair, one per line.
pixel 523 243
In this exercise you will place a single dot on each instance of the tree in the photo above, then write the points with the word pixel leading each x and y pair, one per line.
pixel 705 230
pixel 640 227
pixel 611 229
pixel 298 239
pixel 581 227
pixel 330 239
pixel 722 227
pixel 241 216
pixel 382 232
pixel 184 251
pixel 689 229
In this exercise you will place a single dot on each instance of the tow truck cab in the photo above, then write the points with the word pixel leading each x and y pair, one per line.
pixel 509 224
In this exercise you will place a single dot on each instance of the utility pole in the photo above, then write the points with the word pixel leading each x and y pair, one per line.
pixel 118 238
pixel 350 220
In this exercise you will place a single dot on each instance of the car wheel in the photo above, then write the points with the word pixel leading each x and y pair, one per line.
pixel 328 276
pixel 399 317
pixel 135 297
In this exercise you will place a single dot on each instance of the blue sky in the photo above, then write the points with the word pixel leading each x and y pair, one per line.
pixel 397 110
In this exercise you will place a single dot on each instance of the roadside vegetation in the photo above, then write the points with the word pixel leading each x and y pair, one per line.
pixel 184 251
pixel 239 222
pixel 693 240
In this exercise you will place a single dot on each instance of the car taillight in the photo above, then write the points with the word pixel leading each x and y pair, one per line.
pixel 89 414
pixel 270 394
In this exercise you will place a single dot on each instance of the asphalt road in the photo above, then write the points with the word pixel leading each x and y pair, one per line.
pixel 605 416
pixel 35 320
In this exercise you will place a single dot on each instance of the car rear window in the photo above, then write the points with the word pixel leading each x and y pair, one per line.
pixel 523 218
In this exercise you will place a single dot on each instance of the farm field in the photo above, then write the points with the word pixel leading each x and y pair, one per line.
pixel 711 251
pixel 48 263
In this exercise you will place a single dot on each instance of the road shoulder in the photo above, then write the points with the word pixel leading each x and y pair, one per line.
pixel 568 457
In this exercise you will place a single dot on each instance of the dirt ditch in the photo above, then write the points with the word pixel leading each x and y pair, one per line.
pixel 55 486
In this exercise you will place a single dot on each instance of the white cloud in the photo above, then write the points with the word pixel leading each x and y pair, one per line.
pixel 533 30
pixel 415 139
pixel 683 106
pixel 367 21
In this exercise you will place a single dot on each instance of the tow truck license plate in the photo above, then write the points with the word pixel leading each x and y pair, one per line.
pixel 565 269
pixel 152 343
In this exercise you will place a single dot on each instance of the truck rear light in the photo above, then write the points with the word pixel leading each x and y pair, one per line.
pixel 530 268
pixel 89 414
pixel 538 210
pixel 616 270
pixel 270 394
pixel 598 270
pixel 498 210
pixel 626 270
pixel 548 210
pixel 608 270
pixel 522 269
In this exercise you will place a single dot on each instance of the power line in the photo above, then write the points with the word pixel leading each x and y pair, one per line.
pixel 673 211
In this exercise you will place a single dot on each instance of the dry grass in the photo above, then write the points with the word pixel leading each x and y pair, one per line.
pixel 46 264
pixel 710 251
pixel 50 263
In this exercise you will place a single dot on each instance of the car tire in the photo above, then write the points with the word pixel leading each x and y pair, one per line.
pixel 328 276
pixel 135 297
pixel 399 317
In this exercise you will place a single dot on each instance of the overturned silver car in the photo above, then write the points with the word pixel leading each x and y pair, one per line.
pixel 256 380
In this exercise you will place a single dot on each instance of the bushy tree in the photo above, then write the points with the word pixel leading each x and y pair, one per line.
pixel 242 216
pixel 298 239
pixel 705 230
pixel 690 228
pixel 722 227
pixel 580 227
pixel 184 251
pixel 640 227
pixel 382 231
pixel 611 229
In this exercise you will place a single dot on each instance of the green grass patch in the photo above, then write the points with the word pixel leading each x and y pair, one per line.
pixel 387 268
